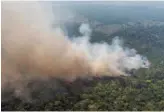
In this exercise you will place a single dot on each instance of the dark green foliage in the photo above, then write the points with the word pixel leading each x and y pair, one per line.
pixel 114 94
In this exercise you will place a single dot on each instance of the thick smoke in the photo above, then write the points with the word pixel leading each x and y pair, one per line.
pixel 32 49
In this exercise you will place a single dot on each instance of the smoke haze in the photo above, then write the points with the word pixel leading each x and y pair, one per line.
pixel 32 49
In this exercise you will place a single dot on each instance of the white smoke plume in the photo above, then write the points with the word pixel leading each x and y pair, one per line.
pixel 31 48
pixel 107 59
pixel 85 29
